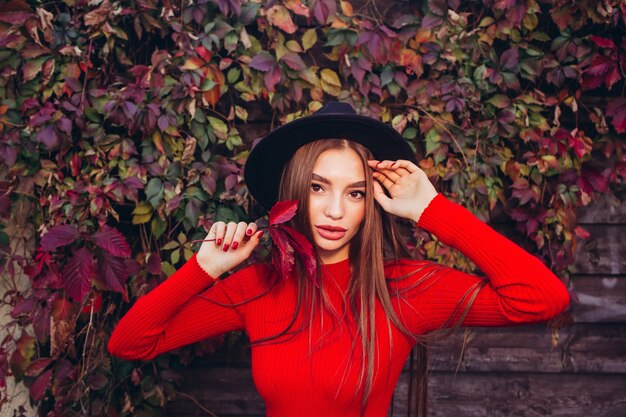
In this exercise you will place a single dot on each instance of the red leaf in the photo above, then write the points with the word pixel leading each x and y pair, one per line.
pixel 204 53
pixel 62 309
pixel 112 271
pixel 36 367
pixel 283 211
pixel 617 110
pixel 282 256
pixel 602 42
pixel 77 274
pixel 59 235
pixel 304 249
pixel 41 384
pixel 112 241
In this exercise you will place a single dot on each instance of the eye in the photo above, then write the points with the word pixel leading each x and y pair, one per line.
pixel 357 195
pixel 316 188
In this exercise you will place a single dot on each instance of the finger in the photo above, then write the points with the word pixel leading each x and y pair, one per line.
pixel 383 179
pixel 251 229
pixel 219 228
pixel 409 166
pixel 389 173
pixel 254 241
pixel 240 233
pixel 400 167
pixel 380 196
pixel 231 228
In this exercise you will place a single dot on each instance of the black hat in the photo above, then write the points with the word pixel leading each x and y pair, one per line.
pixel 333 121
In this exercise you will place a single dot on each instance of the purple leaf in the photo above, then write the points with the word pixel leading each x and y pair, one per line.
pixel 323 9
pixel 112 271
pixel 48 136
pixel 510 59
pixel 163 122
pixel 294 61
pixel 263 62
pixel 59 235
pixel 77 273
pixel 111 240
pixel 153 266
pixel 9 155
pixel 272 78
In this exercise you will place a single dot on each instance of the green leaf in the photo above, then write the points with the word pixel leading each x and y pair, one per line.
pixel 158 227
pixel 154 192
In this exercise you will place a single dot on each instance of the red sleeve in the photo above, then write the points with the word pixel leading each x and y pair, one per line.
pixel 178 312
pixel 519 289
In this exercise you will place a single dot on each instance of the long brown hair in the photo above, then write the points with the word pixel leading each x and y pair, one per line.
pixel 367 282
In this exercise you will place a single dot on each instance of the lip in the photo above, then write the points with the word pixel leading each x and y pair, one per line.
pixel 331 232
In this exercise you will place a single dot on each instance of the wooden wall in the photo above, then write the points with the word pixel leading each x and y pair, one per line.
pixel 500 372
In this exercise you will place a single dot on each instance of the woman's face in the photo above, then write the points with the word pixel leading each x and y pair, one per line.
pixel 336 202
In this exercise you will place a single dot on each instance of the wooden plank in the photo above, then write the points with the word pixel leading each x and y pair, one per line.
pixel 229 392
pixel 603 252
pixel 605 210
pixel 527 395
pixel 598 298
pixel 581 349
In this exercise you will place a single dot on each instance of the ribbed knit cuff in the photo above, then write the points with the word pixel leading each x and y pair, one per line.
pixel 441 219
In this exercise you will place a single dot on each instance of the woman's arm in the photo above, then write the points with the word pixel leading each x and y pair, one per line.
pixel 520 288
pixel 173 315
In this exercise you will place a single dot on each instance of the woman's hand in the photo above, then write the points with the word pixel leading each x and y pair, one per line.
pixel 409 187
pixel 226 246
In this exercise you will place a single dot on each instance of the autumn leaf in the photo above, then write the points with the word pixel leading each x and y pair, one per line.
pixel 279 16
pixel 309 39
pixel 330 82
pixel 111 240
pixel 77 273
pixel 60 235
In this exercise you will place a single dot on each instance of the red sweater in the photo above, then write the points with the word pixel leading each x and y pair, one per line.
pixel 294 382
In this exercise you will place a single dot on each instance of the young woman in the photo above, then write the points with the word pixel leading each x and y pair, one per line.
pixel 335 345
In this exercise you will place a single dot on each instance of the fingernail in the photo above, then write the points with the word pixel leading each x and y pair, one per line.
pixel 226 245
pixel 249 232
pixel 219 242
pixel 261 234
pixel 235 245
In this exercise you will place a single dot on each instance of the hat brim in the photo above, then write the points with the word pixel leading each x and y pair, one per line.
pixel 265 163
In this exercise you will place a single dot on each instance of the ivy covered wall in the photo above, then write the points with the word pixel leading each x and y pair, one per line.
pixel 124 126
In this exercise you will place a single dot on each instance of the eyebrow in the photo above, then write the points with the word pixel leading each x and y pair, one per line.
pixel 358 184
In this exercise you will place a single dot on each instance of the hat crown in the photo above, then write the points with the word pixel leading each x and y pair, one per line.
pixel 335 107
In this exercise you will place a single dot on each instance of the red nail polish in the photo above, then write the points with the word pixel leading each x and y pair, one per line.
pixel 249 232
pixel 226 245
pixel 261 234
pixel 235 245
pixel 219 242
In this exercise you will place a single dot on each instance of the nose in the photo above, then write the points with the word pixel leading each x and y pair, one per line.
pixel 334 206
